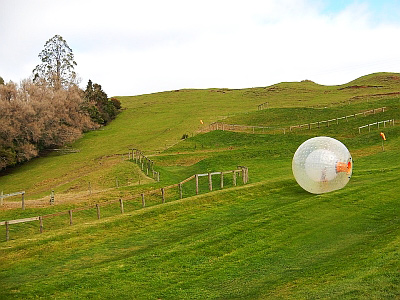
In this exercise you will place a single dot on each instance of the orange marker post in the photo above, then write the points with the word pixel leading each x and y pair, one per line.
pixel 383 139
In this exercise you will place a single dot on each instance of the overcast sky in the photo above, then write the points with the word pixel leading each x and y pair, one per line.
pixel 137 47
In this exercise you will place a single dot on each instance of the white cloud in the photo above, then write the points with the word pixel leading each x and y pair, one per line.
pixel 133 47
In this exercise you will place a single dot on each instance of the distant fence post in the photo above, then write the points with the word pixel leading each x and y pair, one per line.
pixel 234 177
pixel 41 224
pixel 197 183
pixel 209 182
pixel 1 198
pixel 121 205
pixel 222 180
pixel 163 195
pixel 98 210
pixel 7 231
pixel 245 175
pixel 143 201
pixel 52 197
pixel 180 191
pixel 70 216
pixel 23 200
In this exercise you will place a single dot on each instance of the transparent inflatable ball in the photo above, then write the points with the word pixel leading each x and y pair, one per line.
pixel 322 164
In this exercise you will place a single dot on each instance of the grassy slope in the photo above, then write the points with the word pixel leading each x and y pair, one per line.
pixel 267 239
pixel 154 122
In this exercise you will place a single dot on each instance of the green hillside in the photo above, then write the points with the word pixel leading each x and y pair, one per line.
pixel 155 122
pixel 266 239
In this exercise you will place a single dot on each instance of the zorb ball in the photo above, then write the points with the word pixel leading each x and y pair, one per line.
pixel 322 164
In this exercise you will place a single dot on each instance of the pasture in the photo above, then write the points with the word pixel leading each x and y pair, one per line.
pixel 264 239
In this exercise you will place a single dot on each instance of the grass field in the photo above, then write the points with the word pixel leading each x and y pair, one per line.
pixel 266 239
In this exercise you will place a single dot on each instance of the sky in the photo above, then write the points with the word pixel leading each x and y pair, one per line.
pixel 147 46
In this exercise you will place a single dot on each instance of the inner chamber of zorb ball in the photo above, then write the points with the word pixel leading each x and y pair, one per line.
pixel 322 164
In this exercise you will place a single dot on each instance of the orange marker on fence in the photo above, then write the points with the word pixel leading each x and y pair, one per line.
pixel 383 139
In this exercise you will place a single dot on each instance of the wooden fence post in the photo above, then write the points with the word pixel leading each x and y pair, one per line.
pixel 246 172
pixel 222 180
pixel 209 182
pixel 23 201
pixel 143 201
pixel 98 210
pixel 180 191
pixel 197 183
pixel 52 197
pixel 70 216
pixel 1 198
pixel 163 195
pixel 121 205
pixel 234 178
pixel 7 231
pixel 41 224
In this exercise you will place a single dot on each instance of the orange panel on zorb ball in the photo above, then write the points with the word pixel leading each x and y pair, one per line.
pixel 322 164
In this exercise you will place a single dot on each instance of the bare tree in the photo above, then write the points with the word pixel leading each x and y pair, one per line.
pixel 35 117
pixel 57 67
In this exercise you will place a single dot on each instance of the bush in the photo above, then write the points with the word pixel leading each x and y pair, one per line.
pixel 116 103
pixel 100 109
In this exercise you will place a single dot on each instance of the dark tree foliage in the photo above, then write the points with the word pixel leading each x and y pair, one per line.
pixel 100 108
pixel 1 80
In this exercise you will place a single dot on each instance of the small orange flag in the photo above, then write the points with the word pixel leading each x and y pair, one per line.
pixel 383 136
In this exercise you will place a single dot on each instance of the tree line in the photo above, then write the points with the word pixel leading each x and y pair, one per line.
pixel 49 110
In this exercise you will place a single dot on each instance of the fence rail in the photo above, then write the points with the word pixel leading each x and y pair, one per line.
pixel 241 169
pixel 263 106
pixel 2 196
pixel 246 128
pixel 391 122
pixel 318 124
pixel 235 127
pixel 144 163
